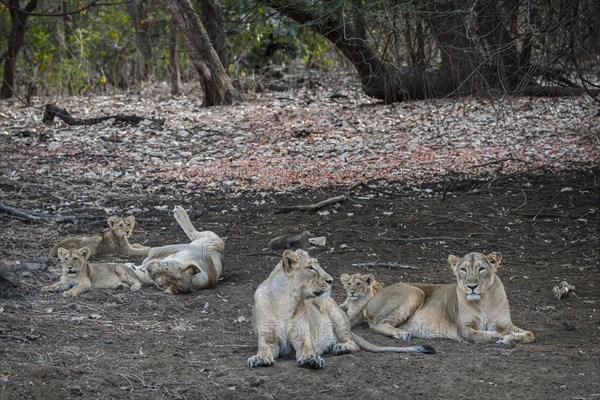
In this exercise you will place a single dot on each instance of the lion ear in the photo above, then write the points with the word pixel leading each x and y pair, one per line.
pixel 112 221
pixel 84 252
pixel 454 261
pixel 62 253
pixel 370 278
pixel 289 258
pixel 130 219
pixel 344 278
pixel 494 259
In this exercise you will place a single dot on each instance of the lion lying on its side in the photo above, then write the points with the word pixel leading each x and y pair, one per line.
pixel 79 276
pixel 293 313
pixel 183 268
pixel 474 309
pixel 112 241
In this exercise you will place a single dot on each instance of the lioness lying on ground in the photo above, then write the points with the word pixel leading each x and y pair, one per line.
pixel 112 241
pixel 474 309
pixel 183 268
pixel 294 313
pixel 79 276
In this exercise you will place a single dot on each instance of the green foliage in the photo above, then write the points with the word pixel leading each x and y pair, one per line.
pixel 260 37
pixel 97 47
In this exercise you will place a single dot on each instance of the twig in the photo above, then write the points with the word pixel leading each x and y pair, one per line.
pixel 383 264
pixel 35 216
pixel 315 206
pixel 576 245
pixel 421 239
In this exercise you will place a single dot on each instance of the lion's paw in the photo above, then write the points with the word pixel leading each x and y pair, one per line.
pixel 258 361
pixel 403 335
pixel 339 349
pixel 180 214
pixel 312 361
pixel 512 338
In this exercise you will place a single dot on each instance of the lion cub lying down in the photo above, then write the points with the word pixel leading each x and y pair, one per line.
pixel 183 268
pixel 293 313
pixel 79 276
pixel 474 309
pixel 112 241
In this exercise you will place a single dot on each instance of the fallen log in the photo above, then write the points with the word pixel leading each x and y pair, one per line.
pixel 35 216
pixel 53 111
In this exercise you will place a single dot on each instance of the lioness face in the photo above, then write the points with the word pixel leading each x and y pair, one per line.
pixel 73 261
pixel 122 227
pixel 307 273
pixel 170 276
pixel 357 285
pixel 475 272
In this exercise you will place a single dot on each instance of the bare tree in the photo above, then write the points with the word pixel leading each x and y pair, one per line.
pixel 218 88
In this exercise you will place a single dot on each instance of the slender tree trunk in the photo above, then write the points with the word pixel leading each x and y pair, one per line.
pixel 18 16
pixel 137 10
pixel 218 88
pixel 173 65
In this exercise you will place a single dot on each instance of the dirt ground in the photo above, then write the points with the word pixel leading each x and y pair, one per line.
pixel 147 344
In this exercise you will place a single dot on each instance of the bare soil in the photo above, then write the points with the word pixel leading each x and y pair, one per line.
pixel 147 344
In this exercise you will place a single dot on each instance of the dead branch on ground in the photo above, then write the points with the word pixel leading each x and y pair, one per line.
pixel 53 111
pixel 383 265
pixel 35 216
pixel 313 207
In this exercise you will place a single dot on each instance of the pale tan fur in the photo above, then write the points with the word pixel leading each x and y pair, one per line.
pixel 475 309
pixel 360 288
pixel 293 314
pixel 111 241
pixel 79 276
pixel 183 268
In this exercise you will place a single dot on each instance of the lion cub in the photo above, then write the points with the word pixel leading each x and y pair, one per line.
pixel 79 276
pixel 294 315
pixel 112 241
pixel 359 289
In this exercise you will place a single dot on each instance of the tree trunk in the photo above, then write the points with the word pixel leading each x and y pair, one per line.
pixel 141 22
pixel 18 17
pixel 214 28
pixel 378 78
pixel 218 88
pixel 458 52
pixel 173 65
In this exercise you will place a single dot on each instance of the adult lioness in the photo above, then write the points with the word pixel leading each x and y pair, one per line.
pixel 79 276
pixel 474 309
pixel 293 312
pixel 111 241
pixel 183 268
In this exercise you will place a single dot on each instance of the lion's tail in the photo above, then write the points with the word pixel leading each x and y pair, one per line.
pixel 367 346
